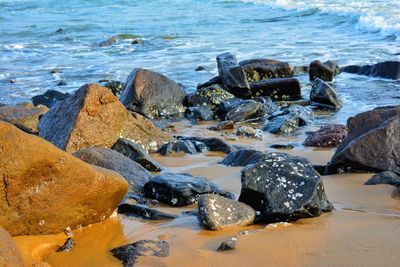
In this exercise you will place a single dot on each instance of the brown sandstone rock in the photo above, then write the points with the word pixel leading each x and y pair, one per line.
pixel 44 190
pixel 23 115
pixel 93 116
pixel 9 254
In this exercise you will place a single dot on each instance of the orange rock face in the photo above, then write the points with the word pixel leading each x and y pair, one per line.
pixel 44 190
pixel 9 254
pixel 93 116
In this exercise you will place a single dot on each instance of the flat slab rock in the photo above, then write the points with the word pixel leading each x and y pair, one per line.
pixel 217 212
pixel 180 189
pixel 385 178
pixel 282 187
pixel 144 212
pixel 129 254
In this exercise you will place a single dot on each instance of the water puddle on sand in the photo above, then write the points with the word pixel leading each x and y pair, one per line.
pixel 366 236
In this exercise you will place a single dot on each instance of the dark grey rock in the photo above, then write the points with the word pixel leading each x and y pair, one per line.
pixel 49 98
pixel 323 95
pixel 372 144
pixel 243 157
pixel 325 71
pixel 144 212
pixel 68 245
pixel 200 68
pixel 116 87
pixel 287 120
pixel 283 188
pixel 387 69
pixel 217 212
pixel 136 153
pixel 212 143
pixel 61 83
pixel 129 254
pixel 282 146
pixel 227 245
pixel 277 89
pixel 213 81
pixel 227 106
pixel 386 177
pixel 263 69
pixel 199 113
pixel 248 109
pixel 152 94
pixel 134 173
pixel 185 146
pixel 233 76
pixel 180 189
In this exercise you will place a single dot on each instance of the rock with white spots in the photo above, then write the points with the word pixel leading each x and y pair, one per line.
pixel 217 212
pixel 180 189
pixel 282 187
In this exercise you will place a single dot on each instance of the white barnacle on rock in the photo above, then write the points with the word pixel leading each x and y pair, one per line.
pixel 174 201
pixel 42 222
pixel 287 204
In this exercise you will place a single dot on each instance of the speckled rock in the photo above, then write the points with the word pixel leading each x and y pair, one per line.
pixel 210 96
pixel 152 94
pixel 93 116
pixel 24 115
pixel 282 187
pixel 249 131
pixel 243 157
pixel 328 136
pixel 217 212
pixel 277 89
pixel 263 69
pixel 180 189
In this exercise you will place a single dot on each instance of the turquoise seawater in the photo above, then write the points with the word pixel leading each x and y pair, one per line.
pixel 38 36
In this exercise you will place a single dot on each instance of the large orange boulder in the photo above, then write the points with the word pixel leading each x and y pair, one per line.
pixel 93 116
pixel 9 254
pixel 44 190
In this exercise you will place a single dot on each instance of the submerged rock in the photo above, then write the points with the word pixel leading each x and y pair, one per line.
pixel 130 253
pixel 372 144
pixel 152 94
pixel 386 177
pixel 93 116
pixel 44 190
pixel 180 189
pixel 263 69
pixel 144 212
pixel 277 89
pixel 223 125
pixel 24 115
pixel 330 135
pixel 68 245
pixel 49 98
pixel 323 95
pixel 110 41
pixel 227 245
pixel 217 212
pixel 283 188
pixel 243 157
pixel 136 153
pixel 233 76
pixel 282 146
pixel 9 253
pixel 325 71
pixel 134 173
pixel 387 69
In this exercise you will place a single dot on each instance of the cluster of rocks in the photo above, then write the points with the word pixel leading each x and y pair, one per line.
pixel 59 154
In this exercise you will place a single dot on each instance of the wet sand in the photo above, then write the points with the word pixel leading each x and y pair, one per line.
pixel 364 229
